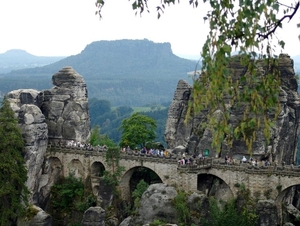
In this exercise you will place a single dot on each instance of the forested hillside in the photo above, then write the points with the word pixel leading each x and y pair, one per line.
pixel 124 72
pixel 17 59
pixel 109 120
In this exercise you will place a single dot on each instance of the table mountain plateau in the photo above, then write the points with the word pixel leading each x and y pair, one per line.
pixel 125 72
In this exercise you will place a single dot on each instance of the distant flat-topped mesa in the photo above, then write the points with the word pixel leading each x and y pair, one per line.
pixel 283 144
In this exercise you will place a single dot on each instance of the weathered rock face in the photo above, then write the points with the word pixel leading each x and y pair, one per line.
pixel 59 113
pixel 94 216
pixel 283 143
pixel 65 107
pixel 198 204
pixel 51 171
pixel 24 96
pixel 177 132
pixel 40 219
pixel 156 203
pixel 267 212
pixel 35 134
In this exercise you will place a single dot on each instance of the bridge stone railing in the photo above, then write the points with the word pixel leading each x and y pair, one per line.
pixel 206 163
pixel 100 151
pixel 283 170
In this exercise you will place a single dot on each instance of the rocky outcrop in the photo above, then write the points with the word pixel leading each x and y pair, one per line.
pixel 41 218
pixel 177 132
pixel 198 205
pixel 156 203
pixel 34 132
pixel 58 114
pixel 283 143
pixel 267 212
pixel 158 199
pixel 94 216
pixel 65 107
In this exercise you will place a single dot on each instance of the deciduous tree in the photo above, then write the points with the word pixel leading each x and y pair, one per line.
pixel 137 130
pixel 13 174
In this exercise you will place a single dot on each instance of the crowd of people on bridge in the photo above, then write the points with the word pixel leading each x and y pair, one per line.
pixel 244 160
pixel 82 145
pixel 182 161
pixel 190 160
pixel 195 159
pixel 150 151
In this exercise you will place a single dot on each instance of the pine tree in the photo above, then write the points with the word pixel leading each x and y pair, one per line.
pixel 13 174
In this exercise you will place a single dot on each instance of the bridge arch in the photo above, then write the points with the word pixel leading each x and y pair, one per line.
pixel 227 180
pixel 53 166
pixel 284 198
pixel 132 176
pixel 97 169
pixel 76 169
pixel 213 185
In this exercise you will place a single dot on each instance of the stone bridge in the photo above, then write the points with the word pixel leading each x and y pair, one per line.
pixel 270 182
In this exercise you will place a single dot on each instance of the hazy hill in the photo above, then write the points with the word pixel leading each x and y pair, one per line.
pixel 125 72
pixel 16 59
pixel 297 64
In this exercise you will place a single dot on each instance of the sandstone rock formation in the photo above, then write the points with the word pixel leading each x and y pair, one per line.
pixel 40 219
pixel 35 134
pixel 156 203
pixel 65 107
pixel 267 212
pixel 58 114
pixel 94 216
pixel 283 143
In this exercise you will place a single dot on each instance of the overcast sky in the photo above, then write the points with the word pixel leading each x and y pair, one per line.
pixel 65 27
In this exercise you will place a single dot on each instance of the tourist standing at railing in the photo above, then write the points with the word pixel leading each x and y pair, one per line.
pixel 244 159
pixel 166 153
pixel 200 156
pixel 267 163
pixel 123 150
pixel 161 153
pixel 144 150
pixel 190 161
pixel 226 159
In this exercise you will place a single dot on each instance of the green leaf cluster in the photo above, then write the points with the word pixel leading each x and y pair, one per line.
pixel 227 214
pixel 69 198
pixel 182 210
pixel 100 139
pixel 248 27
pixel 137 130
pixel 13 173
pixel 112 176
pixel 138 192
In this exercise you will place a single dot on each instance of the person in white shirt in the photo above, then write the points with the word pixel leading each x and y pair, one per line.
pixel 244 159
